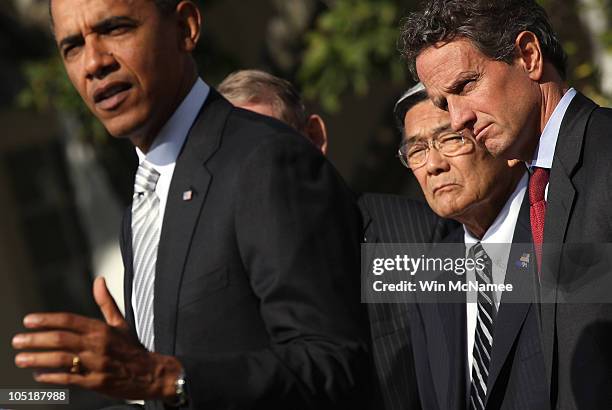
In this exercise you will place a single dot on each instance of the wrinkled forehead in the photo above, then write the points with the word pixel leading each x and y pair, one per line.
pixel 73 16
pixel 439 65
pixel 424 120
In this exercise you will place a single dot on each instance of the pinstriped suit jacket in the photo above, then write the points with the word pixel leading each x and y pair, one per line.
pixel 396 219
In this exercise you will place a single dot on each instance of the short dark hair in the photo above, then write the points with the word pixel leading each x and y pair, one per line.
pixel 259 86
pixel 491 25
pixel 164 6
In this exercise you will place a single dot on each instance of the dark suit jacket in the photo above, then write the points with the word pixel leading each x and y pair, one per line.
pixel 517 372
pixel 396 219
pixel 256 288
pixel 420 349
pixel 578 337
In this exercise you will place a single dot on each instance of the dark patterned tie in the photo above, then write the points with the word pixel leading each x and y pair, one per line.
pixel 483 338
pixel 537 209
pixel 145 239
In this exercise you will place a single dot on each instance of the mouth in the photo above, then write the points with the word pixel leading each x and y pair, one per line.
pixel 481 134
pixel 111 96
pixel 444 187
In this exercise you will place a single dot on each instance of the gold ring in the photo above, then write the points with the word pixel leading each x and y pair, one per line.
pixel 76 365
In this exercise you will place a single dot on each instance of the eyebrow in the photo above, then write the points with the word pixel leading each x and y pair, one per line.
pixel 436 131
pixel 455 86
pixel 100 27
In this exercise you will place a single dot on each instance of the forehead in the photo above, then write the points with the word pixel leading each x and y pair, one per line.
pixel 442 63
pixel 71 16
pixel 422 119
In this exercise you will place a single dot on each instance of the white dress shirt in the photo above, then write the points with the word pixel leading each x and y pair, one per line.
pixel 168 144
pixel 548 141
pixel 496 242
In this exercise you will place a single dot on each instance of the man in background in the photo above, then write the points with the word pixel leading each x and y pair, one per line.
pixel 471 355
pixel 507 87
pixel 266 94
pixel 386 219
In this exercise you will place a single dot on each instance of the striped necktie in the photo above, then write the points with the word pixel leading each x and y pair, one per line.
pixel 145 239
pixel 483 339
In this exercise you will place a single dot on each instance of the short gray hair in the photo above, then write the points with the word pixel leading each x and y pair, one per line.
pixel 491 25
pixel 409 99
pixel 259 86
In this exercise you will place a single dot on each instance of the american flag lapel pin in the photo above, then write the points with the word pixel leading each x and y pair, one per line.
pixel 188 195
pixel 524 260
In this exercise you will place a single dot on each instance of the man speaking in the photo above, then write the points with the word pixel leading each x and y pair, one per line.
pixel 240 248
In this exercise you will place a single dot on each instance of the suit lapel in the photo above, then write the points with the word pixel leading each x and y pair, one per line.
pixel 511 314
pixel 182 213
pixel 560 201
pixel 128 266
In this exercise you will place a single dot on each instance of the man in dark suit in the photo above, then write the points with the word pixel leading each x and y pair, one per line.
pixel 241 247
pixel 386 219
pixel 460 360
pixel 267 94
pixel 508 88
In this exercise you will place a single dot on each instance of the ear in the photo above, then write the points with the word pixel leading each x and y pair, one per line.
pixel 190 21
pixel 317 132
pixel 529 54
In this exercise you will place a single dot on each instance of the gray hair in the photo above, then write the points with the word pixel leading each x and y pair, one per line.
pixel 409 99
pixel 491 25
pixel 259 86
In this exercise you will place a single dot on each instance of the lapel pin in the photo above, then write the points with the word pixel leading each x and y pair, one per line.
pixel 524 260
pixel 188 195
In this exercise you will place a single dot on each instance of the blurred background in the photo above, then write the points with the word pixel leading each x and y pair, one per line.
pixel 64 183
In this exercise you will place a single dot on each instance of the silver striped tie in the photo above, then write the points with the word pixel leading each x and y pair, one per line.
pixel 483 339
pixel 145 239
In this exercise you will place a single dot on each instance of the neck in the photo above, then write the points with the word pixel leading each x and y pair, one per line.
pixel 478 226
pixel 552 93
pixel 551 89
pixel 146 137
pixel 479 218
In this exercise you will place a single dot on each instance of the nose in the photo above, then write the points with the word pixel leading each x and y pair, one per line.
pixel 99 61
pixel 436 162
pixel 461 116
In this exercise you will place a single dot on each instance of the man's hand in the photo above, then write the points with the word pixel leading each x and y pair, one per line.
pixel 110 359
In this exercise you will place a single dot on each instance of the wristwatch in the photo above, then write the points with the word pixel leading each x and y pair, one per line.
pixel 180 397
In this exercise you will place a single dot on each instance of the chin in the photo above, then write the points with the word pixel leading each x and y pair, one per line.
pixel 496 148
pixel 445 212
pixel 122 126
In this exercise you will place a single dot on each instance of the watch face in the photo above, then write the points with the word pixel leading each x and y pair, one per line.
pixel 181 394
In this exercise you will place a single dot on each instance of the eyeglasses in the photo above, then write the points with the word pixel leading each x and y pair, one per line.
pixel 414 154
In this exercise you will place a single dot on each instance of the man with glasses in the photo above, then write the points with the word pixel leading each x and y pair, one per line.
pixel 472 353
pixel 499 69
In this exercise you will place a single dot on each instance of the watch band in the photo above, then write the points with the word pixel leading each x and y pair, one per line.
pixel 180 386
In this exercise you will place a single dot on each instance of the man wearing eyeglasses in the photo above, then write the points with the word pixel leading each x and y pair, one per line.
pixel 473 354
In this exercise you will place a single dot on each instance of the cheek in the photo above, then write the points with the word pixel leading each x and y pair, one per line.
pixel 78 81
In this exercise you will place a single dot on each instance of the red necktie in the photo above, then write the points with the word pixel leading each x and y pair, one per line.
pixel 537 209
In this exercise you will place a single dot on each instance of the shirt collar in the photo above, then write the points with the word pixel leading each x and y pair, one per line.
pixel 169 141
pixel 546 147
pixel 502 228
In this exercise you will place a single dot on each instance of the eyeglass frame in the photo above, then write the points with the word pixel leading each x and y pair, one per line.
pixel 434 143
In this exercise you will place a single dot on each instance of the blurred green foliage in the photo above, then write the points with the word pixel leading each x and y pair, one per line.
pixel 352 43
pixel 49 88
